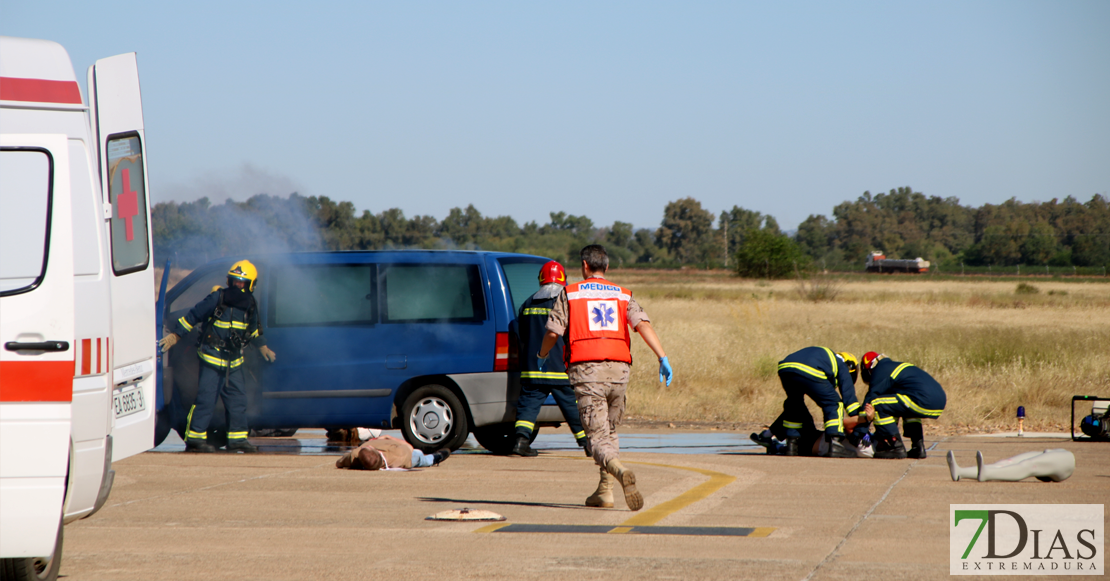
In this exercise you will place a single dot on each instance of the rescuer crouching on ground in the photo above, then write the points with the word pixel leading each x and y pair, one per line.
pixel 829 380
pixel 899 390
pixel 594 317
pixel 229 319
pixel 536 383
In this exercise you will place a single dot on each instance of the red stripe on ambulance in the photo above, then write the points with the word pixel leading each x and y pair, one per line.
pixel 37 381
pixel 39 90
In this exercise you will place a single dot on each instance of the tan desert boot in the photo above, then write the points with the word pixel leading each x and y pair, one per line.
pixel 627 479
pixel 603 496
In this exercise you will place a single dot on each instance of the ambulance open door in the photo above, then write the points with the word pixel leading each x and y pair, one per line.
pixel 116 112
pixel 36 340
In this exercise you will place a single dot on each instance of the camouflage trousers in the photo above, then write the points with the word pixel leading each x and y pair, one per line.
pixel 601 407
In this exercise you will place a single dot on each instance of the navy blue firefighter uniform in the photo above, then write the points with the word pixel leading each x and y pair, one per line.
pixel 826 378
pixel 535 383
pixel 226 331
pixel 902 390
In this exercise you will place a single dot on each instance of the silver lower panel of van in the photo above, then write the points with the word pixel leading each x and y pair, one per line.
pixel 492 398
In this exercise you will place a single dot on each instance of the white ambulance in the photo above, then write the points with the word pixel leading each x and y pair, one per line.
pixel 77 321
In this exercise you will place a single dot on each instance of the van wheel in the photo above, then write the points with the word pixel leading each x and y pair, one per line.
pixel 34 568
pixel 433 418
pixel 499 439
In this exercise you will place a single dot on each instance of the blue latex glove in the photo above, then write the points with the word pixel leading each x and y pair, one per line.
pixel 541 361
pixel 665 371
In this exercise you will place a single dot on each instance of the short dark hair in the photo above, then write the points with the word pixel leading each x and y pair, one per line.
pixel 595 257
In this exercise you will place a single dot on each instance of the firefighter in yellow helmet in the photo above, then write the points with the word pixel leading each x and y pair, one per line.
pixel 229 322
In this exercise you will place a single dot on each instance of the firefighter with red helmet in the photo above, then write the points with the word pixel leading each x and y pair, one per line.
pixel 595 316
pixel 899 390
pixel 229 319
pixel 537 382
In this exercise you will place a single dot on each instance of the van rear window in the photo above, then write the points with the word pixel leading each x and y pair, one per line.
pixel 324 294
pixel 523 279
pixel 25 198
pixel 432 292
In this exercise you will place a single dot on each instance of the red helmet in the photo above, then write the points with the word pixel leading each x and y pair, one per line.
pixel 553 272
pixel 867 363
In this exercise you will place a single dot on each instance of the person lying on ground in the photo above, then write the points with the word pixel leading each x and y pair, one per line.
pixel 385 452
pixel 812 443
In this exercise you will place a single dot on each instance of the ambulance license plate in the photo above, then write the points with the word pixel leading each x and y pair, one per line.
pixel 128 401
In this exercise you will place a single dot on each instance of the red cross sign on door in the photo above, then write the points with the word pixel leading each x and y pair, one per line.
pixel 128 204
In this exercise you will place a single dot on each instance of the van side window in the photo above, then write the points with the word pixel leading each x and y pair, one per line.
pixel 127 194
pixel 325 294
pixel 202 288
pixel 432 292
pixel 26 179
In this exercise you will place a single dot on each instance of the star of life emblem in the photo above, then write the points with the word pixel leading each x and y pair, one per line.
pixel 603 315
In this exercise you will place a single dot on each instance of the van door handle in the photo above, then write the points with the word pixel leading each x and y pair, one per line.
pixel 47 346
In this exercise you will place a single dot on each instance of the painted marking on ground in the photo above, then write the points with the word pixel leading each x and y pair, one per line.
pixel 624 530
pixel 662 510
pixel 643 522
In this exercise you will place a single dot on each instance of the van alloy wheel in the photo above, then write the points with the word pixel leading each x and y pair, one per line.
pixel 434 418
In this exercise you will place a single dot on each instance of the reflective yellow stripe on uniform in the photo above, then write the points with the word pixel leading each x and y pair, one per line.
pixel 884 400
pixel 185 324
pixel 832 359
pixel 543 375
pixel 852 407
pixel 219 362
pixel 524 424
pixel 196 435
pixel 913 406
pixel 897 370
pixel 792 425
pixel 230 325
pixel 839 421
pixel 579 435
pixel 912 420
pixel 537 311
pixel 804 369
pixel 881 421
pixel 237 435
pixel 254 334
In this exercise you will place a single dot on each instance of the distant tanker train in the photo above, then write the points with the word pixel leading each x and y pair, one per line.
pixel 878 262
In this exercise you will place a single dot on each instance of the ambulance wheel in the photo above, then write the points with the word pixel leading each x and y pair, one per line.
pixel 499 439
pixel 34 568
pixel 433 418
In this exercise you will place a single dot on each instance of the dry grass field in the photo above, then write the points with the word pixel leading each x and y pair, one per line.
pixel 992 347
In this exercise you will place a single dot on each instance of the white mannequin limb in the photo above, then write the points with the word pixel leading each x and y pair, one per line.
pixel 971 472
pixel 1048 466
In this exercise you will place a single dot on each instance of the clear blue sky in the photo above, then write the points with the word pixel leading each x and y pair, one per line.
pixel 608 109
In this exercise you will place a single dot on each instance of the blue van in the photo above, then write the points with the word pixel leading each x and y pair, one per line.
pixel 416 340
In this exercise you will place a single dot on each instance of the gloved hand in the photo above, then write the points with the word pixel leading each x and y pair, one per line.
pixel 665 371
pixel 166 343
pixel 540 361
pixel 267 353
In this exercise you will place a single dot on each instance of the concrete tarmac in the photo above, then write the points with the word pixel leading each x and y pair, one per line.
pixel 284 516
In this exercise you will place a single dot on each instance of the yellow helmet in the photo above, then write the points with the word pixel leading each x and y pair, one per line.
pixel 852 362
pixel 244 271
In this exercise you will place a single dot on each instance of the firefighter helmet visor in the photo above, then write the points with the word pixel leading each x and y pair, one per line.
pixel 242 271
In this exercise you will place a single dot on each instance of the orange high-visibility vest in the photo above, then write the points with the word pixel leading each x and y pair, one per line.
pixel 598 322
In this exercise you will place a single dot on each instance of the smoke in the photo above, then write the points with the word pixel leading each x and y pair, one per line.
pixel 237 184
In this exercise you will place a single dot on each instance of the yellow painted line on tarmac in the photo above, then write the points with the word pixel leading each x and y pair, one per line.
pixel 717 481
pixel 619 530
pixel 493 527
pixel 762 532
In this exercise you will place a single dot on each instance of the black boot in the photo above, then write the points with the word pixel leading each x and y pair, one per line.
pixel 521 448
pixel 199 446
pixel 890 448
pixel 837 449
pixel 241 445
pixel 917 449
pixel 439 456
pixel 791 448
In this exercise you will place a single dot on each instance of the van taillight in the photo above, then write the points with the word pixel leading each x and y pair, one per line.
pixel 501 353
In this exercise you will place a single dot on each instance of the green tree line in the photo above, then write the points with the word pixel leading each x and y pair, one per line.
pixel 902 223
